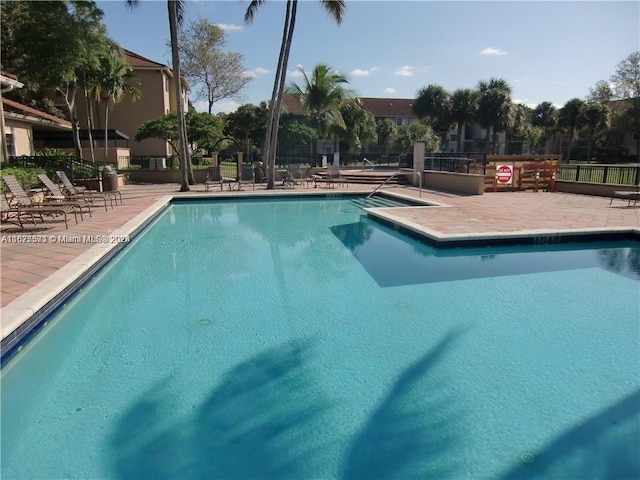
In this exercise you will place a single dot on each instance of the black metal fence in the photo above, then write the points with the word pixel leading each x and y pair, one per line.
pixel 461 163
pixel 611 174
pixel 75 168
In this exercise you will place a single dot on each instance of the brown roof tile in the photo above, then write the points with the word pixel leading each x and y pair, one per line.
pixel 378 107
pixel 136 60
pixel 15 107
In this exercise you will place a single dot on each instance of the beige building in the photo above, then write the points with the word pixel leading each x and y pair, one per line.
pixel 20 123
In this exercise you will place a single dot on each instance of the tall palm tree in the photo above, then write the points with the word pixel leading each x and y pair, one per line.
pixel 322 96
pixel 571 119
pixel 545 116
pixel 433 104
pixel 110 84
pixel 464 105
pixel 176 12
pixel 596 117
pixel 494 105
pixel 335 8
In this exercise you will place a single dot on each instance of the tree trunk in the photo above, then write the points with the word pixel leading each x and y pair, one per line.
pixel 460 127
pixel 89 122
pixel 70 103
pixel 106 131
pixel 285 61
pixel 266 154
pixel 486 140
pixel 175 58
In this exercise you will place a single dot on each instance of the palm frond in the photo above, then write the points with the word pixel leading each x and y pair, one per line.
pixel 335 8
pixel 252 9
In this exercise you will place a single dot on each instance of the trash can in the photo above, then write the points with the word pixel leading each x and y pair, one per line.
pixel 109 179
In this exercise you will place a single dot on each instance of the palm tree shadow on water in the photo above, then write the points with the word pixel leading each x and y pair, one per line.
pixel 263 420
pixel 606 445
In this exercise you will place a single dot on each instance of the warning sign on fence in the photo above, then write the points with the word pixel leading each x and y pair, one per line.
pixel 504 174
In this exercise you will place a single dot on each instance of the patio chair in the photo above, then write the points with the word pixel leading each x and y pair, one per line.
pixel 247 175
pixel 297 176
pixel 631 195
pixel 20 199
pixel 54 194
pixel 214 177
pixel 17 207
pixel 330 177
pixel 72 192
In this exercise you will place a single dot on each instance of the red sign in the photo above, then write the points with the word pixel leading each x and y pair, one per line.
pixel 504 174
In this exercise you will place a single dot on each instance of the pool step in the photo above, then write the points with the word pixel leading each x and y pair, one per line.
pixel 378 202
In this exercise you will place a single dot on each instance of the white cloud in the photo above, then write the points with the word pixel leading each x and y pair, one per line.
pixel 406 71
pixel 229 27
pixel 390 90
pixel 360 73
pixel 224 106
pixel 526 102
pixel 493 51
pixel 374 69
pixel 295 74
pixel 255 72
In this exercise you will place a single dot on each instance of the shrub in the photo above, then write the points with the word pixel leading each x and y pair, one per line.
pixel 26 176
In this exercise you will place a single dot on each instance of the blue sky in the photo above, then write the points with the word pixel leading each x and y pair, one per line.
pixel 546 50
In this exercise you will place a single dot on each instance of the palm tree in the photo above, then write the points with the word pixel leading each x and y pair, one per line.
pixel 545 116
pixel 494 105
pixel 572 118
pixel 322 96
pixel 596 118
pixel 176 11
pixel 110 84
pixel 335 8
pixel 433 106
pixel 464 105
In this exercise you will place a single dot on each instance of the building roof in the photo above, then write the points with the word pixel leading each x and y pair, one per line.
pixel 31 114
pixel 389 107
pixel 378 107
pixel 136 60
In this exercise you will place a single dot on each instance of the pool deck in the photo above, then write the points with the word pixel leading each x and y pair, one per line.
pixel 33 273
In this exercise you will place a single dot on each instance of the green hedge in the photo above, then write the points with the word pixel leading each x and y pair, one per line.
pixel 26 176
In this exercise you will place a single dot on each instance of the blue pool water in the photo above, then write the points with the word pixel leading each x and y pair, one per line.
pixel 295 339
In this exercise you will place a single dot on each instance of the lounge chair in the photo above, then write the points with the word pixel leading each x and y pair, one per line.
pixel 214 177
pixel 14 210
pixel 331 177
pixel 73 193
pixel 297 176
pixel 20 199
pixel 54 194
pixel 631 195
pixel 247 175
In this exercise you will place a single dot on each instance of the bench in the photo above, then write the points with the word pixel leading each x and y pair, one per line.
pixel 631 195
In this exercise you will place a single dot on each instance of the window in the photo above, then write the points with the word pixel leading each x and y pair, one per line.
pixel 11 145
pixel 400 121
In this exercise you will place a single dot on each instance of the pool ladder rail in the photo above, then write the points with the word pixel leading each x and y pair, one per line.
pixel 395 174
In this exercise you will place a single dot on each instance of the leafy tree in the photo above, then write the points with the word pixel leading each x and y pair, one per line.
pixel 494 105
pixel 626 86
pixel 433 105
pixel 534 136
pixel 204 130
pixel 247 125
pixel 386 131
pixel 176 11
pixel 464 106
pixel 294 132
pixel 360 125
pixel 602 93
pixel 335 8
pixel 217 74
pixel 572 118
pixel 322 96
pixel 52 43
pixel 407 135
pixel 596 118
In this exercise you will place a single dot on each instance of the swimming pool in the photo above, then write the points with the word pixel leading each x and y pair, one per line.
pixel 296 339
